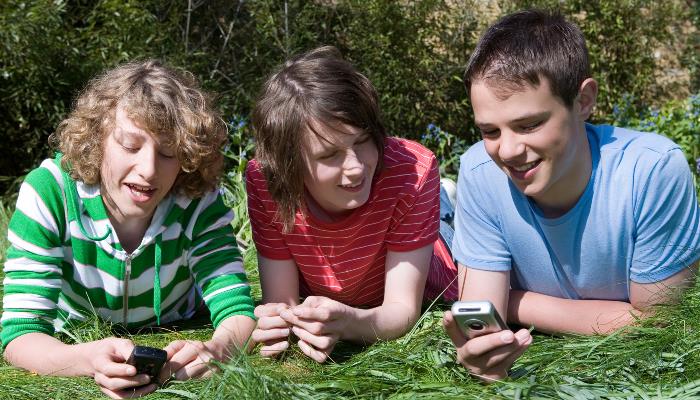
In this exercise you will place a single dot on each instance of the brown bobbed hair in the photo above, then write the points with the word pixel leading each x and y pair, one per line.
pixel 167 103
pixel 525 46
pixel 316 88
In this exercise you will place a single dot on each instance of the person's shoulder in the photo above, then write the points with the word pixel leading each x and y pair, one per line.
pixel 400 152
pixel 46 176
pixel 476 158
pixel 633 143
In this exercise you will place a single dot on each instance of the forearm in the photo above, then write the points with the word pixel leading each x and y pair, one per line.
pixel 556 315
pixel 386 322
pixel 46 355
pixel 233 336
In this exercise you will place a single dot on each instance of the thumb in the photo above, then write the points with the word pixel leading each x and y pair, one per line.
pixel 313 301
pixel 453 331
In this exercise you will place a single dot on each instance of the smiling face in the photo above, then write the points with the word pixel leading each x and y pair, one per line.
pixel 340 165
pixel 137 172
pixel 537 141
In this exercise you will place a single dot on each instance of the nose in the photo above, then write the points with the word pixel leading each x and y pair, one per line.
pixel 146 163
pixel 510 146
pixel 352 165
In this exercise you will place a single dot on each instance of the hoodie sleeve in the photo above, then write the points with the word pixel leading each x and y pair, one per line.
pixel 215 261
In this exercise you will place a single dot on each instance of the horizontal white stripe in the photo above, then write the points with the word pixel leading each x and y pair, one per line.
pixel 47 283
pixel 30 203
pixel 235 267
pixel 194 260
pixel 20 243
pixel 7 315
pixel 28 301
pixel 224 289
pixel 24 264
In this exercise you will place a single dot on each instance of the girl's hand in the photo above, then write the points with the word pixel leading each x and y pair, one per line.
pixel 271 329
pixel 113 376
pixel 488 357
pixel 318 323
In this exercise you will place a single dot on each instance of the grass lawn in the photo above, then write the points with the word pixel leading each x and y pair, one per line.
pixel 660 359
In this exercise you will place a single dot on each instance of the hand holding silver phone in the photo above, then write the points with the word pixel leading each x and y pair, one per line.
pixel 476 318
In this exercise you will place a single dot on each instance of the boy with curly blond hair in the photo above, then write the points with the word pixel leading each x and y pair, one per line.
pixel 126 222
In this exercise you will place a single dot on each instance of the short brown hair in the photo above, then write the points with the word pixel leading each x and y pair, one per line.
pixel 167 103
pixel 317 86
pixel 523 47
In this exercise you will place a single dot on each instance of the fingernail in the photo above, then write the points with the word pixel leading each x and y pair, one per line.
pixel 522 336
pixel 285 331
pixel 507 337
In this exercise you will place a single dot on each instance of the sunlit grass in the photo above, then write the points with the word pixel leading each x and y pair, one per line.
pixel 659 359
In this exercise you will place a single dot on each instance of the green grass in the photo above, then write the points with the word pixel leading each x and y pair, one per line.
pixel 660 359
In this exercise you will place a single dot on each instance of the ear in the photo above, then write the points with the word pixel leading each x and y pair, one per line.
pixel 586 98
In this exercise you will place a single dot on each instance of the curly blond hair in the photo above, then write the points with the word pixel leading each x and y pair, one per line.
pixel 167 103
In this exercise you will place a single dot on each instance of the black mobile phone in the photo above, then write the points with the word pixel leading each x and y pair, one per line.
pixel 476 318
pixel 147 360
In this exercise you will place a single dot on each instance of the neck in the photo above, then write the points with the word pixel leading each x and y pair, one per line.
pixel 129 231
pixel 318 212
pixel 572 185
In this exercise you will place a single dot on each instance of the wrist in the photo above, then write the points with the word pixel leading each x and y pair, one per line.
pixel 352 318
pixel 515 307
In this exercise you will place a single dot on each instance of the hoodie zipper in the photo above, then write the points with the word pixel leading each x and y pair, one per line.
pixel 127 275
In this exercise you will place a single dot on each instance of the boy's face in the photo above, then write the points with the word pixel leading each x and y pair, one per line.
pixel 339 169
pixel 537 141
pixel 137 171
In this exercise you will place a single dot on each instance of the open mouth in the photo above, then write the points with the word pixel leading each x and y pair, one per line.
pixel 523 171
pixel 353 187
pixel 141 192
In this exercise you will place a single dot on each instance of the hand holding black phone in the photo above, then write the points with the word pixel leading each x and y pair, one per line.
pixel 147 360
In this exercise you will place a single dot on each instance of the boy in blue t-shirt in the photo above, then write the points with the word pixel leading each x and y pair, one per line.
pixel 563 225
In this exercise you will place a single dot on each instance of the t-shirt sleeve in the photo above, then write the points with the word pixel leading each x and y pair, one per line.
pixel 668 221
pixel 267 236
pixel 478 242
pixel 416 218
pixel 33 276
pixel 216 263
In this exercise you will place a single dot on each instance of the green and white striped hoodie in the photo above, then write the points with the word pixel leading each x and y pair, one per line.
pixel 60 268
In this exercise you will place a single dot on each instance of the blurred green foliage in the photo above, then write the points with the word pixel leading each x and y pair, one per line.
pixel 413 51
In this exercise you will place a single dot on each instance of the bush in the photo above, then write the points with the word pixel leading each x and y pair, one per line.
pixel 643 49
pixel 678 120
pixel 414 52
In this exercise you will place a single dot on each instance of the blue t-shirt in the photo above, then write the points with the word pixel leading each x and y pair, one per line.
pixel 638 219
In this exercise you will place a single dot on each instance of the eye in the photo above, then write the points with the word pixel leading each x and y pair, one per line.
pixel 489 133
pixel 531 126
pixel 130 148
pixel 328 156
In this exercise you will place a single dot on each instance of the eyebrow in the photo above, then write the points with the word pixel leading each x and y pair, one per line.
pixel 526 117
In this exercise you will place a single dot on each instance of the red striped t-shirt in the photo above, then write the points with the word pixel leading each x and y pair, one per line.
pixel 345 260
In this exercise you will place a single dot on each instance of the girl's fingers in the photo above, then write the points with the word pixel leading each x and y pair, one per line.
pixel 273 349
pixel 322 342
pixel 262 336
pixel 272 322
pixel 269 309
pixel 314 354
